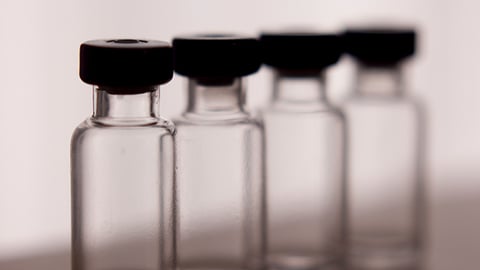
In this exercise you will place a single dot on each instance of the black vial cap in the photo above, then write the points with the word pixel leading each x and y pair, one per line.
pixel 127 64
pixel 377 46
pixel 216 56
pixel 300 51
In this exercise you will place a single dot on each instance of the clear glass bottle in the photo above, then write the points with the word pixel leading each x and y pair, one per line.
pixel 122 160
pixel 220 177
pixel 305 145
pixel 385 125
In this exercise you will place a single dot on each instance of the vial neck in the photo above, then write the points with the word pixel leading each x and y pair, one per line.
pixel 379 81
pixel 122 109
pixel 212 97
pixel 307 88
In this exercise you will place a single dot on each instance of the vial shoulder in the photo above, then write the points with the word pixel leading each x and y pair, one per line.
pixel 404 105
pixel 217 130
pixel 151 123
pixel 379 101
pixel 239 120
pixel 90 129
pixel 302 108
pixel 316 111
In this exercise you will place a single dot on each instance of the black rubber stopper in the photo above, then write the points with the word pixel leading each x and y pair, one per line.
pixel 126 64
pixel 216 56
pixel 377 46
pixel 300 51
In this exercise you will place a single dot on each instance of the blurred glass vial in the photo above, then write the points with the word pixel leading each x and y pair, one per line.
pixel 220 177
pixel 305 146
pixel 385 158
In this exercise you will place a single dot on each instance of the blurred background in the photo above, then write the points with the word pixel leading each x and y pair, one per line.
pixel 42 100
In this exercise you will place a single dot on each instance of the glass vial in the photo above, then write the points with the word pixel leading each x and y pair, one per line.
pixel 122 160
pixel 385 126
pixel 305 145
pixel 220 177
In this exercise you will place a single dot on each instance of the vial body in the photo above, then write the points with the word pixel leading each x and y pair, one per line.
pixel 385 189
pixel 122 184
pixel 219 182
pixel 305 176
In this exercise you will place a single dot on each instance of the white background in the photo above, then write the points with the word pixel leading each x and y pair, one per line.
pixel 42 100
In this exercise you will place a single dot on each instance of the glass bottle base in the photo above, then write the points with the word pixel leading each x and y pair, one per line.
pixel 384 257
pixel 303 262
pixel 212 268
